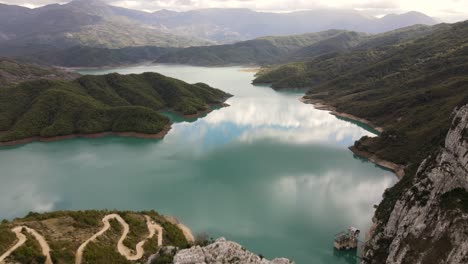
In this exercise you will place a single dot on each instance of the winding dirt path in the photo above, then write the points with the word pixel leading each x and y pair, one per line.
pixel 22 239
pixel 123 250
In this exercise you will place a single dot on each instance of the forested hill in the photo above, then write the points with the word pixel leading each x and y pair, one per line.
pixel 274 50
pixel 95 104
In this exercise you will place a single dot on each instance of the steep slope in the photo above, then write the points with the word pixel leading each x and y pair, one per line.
pixel 428 221
pixel 13 72
pixel 98 104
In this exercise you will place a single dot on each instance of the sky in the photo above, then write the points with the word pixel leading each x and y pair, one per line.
pixel 444 10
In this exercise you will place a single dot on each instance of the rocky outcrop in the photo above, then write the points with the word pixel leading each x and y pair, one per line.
pixel 222 251
pixel 429 222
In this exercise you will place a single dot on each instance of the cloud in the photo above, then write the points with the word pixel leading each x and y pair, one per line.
pixel 448 10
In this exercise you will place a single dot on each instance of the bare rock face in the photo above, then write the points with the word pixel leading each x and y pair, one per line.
pixel 429 223
pixel 220 252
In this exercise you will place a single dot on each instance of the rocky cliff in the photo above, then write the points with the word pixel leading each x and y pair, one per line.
pixel 429 222
pixel 222 251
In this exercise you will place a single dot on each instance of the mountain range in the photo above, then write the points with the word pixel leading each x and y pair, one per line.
pixel 96 24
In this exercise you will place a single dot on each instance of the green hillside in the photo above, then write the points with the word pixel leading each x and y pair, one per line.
pixel 409 89
pixel 93 104
pixel 274 50
pixel 422 80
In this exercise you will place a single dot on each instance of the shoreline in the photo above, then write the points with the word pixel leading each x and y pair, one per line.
pixel 24 141
pixel 321 105
pixel 398 170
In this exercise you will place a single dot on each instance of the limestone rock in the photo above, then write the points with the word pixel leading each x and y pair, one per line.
pixel 420 228
pixel 220 252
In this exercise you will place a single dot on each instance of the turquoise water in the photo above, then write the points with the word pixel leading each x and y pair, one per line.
pixel 269 172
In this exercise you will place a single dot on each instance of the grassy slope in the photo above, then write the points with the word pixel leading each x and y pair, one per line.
pixel 65 231
pixel 410 89
pixel 93 104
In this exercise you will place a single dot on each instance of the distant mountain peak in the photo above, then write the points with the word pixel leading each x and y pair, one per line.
pixel 88 2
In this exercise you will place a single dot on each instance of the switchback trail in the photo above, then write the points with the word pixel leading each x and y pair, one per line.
pixel 22 239
pixel 123 250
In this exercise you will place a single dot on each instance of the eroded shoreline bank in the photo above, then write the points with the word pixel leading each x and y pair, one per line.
pixel 399 170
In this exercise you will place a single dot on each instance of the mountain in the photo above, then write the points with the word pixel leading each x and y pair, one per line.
pixel 80 22
pixel 274 50
pixel 260 51
pixel 411 90
pixel 13 72
pixel 112 103
pixel 95 24
pixel 231 25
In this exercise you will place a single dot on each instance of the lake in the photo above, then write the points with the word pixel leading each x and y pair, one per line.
pixel 269 172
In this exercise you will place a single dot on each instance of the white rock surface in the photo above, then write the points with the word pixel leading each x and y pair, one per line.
pixel 222 252
pixel 419 230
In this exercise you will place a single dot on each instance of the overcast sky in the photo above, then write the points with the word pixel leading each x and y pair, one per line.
pixel 445 10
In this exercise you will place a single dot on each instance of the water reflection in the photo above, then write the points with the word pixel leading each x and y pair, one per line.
pixel 269 172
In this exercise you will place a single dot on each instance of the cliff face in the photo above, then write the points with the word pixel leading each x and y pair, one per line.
pixel 222 251
pixel 429 222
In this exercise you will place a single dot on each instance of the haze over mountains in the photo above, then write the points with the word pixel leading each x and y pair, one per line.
pixel 96 24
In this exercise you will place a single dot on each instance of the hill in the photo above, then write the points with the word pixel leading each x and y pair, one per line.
pixel 112 103
pixel 63 232
pixel 113 237
pixel 281 49
pixel 266 50
pixel 13 72
pixel 410 90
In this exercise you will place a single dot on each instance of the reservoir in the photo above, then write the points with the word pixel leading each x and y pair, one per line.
pixel 269 172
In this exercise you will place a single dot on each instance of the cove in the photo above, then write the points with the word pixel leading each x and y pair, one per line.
pixel 269 172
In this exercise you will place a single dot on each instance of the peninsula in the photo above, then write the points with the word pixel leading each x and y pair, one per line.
pixel 95 106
